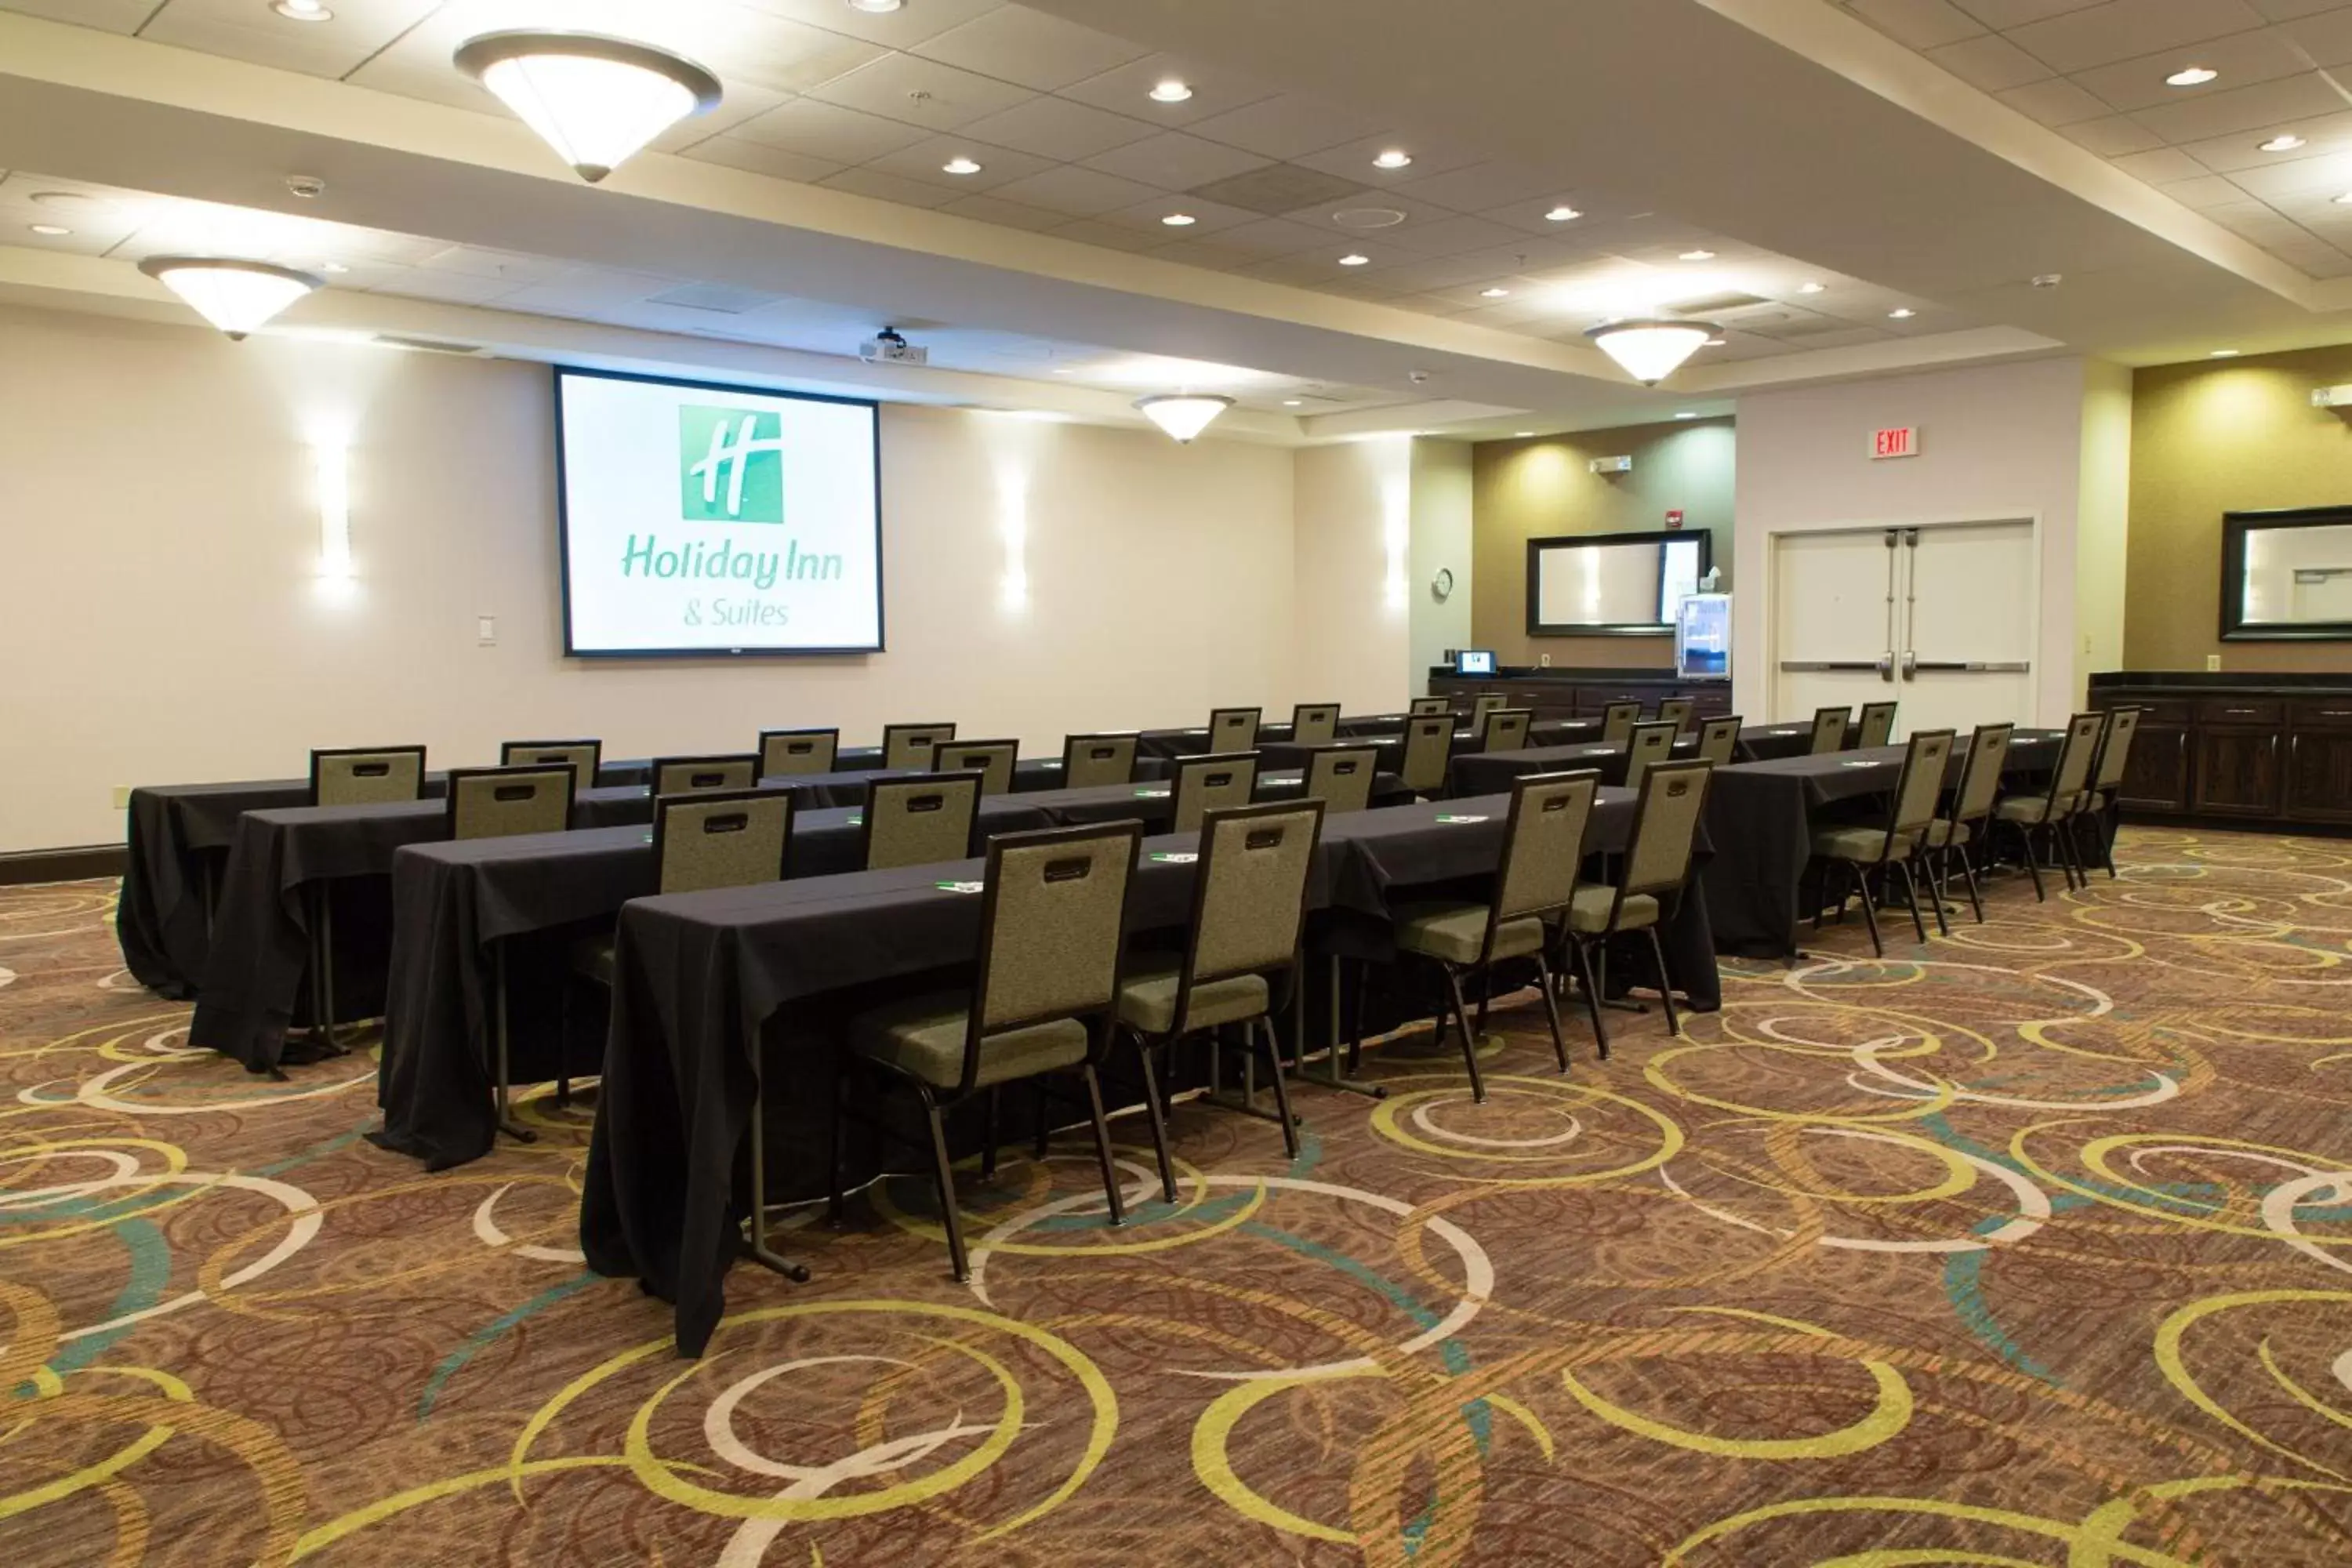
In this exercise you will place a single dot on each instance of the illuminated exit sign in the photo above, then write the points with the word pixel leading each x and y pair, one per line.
pixel 1901 442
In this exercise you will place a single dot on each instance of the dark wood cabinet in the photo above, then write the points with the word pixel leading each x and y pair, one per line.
pixel 2238 772
pixel 2244 750
pixel 2156 776
pixel 1581 693
pixel 2319 775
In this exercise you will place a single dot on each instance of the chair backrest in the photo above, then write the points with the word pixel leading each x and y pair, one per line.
pixel 1981 775
pixel 731 838
pixel 2073 767
pixel 697 775
pixel 1649 745
pixel 1216 783
pixel 1341 777
pixel 1666 826
pixel 992 760
pixel 919 822
pixel 1053 921
pixel 366 776
pixel 1422 705
pixel 1428 750
pixel 492 802
pixel 2115 748
pixel 1233 729
pixel 1251 894
pixel 1718 741
pixel 785 753
pixel 1507 730
pixel 1315 724
pixel 1830 725
pixel 1617 721
pixel 1543 845
pixel 1920 785
pixel 1482 706
pixel 1091 761
pixel 906 746
pixel 1877 724
pixel 1678 711
pixel 581 757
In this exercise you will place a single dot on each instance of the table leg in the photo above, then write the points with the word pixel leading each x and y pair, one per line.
pixel 1331 1077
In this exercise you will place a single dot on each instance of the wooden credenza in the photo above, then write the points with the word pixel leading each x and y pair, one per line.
pixel 1580 693
pixel 2237 748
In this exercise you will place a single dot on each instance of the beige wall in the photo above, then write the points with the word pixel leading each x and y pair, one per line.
pixel 2225 436
pixel 1526 490
pixel 1351 624
pixel 2103 519
pixel 164 622
pixel 1443 533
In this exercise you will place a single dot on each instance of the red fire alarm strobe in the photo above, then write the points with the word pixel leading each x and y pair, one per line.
pixel 1675 518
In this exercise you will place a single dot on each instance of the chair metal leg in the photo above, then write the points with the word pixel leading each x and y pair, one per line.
pixel 1551 1009
pixel 943 1176
pixel 1869 911
pixel 2107 843
pixel 1911 887
pixel 1968 872
pixel 1469 1040
pixel 1665 981
pixel 1943 926
pixel 1591 993
pixel 1158 1115
pixel 1102 1144
pixel 760 1251
pixel 1281 1089
pixel 2033 866
pixel 507 1123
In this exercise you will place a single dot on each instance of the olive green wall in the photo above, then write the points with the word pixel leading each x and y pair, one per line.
pixel 1526 490
pixel 2219 436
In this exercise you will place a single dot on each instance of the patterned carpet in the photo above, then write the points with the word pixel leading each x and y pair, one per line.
pixel 2025 1248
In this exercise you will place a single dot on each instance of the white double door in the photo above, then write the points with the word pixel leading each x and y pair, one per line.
pixel 1943 619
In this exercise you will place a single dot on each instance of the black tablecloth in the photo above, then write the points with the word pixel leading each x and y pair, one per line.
pixel 177 837
pixel 699 978
pixel 452 900
pixel 1550 733
pixel 1491 773
pixel 1761 817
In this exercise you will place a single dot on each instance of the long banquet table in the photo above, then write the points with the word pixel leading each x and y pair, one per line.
pixel 702 978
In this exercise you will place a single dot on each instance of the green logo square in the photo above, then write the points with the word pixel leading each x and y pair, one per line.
pixel 730 465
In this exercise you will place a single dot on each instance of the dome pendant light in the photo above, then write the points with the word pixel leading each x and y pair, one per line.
pixel 237 297
pixel 1650 351
pixel 595 99
pixel 1184 415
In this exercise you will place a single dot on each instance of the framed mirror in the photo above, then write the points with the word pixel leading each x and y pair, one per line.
pixel 2287 576
pixel 1612 585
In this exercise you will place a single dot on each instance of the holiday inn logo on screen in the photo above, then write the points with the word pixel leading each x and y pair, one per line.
pixel 730 465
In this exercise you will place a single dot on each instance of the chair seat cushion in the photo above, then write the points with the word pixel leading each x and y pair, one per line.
pixel 1866 845
pixel 922 1036
pixel 1940 834
pixel 1456 933
pixel 592 956
pixel 2026 808
pixel 1589 915
pixel 1146 999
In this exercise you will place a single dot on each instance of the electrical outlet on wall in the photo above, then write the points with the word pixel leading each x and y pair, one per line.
pixel 485 630
pixel 1547 661
pixel 2212 661
pixel 121 797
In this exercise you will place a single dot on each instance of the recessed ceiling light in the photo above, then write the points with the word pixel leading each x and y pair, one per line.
pixel 333 267
pixel 2191 75
pixel 2344 200
pixel 1355 258
pixel 48 229
pixel 1521 434
pixel 1493 293
pixel 1811 288
pixel 1698 255
pixel 302 11
pixel 2284 142
pixel 1293 402
pixel 1169 90
pixel 1901 313
pixel 2222 354
pixel 1179 220
pixel 876 8
pixel 1562 215
pixel 1712 343
pixel 1394 158
pixel 1685 414
pixel 960 166
pixel 2048 279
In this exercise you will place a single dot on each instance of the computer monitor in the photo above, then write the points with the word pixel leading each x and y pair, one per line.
pixel 1474 661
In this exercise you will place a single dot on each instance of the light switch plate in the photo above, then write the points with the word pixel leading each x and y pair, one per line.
pixel 121 797
pixel 2212 661
pixel 486 629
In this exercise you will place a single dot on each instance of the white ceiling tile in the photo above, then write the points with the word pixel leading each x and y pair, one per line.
pixel 2112 137
pixel 742 102
pixel 2244 60
pixel 1208 218
pixel 1011 215
pixel 253 32
pixel 1015 44
pixel 1998 14
pixel 899 29
pixel 1427 274
pixel 1086 231
pixel 1206 253
pixel 587 288
pixel 1127 90
pixel 828 132
pixel 2159 166
pixel 1919 24
pixel 106 16
pixel 1274 236
pixel 2324 136
pixel 2122 29
pixel 1478 187
pixel 2205 191
pixel 1534 218
pixel 1451 235
pixel 921 92
pixel 1990 63
pixel 888 188
pixel 1174 160
pixel 1353 160
pixel 1303 270
pixel 760 158
pixel 748 47
pixel 2288 10
pixel 1325 215
pixel 1076 191
pixel 2252 108
pixel 924 161
pixel 2326 38
pixel 2320 177
pixel 1058 129
pixel 451 287
pixel 1287 126
pixel 2056 101
pixel 502 266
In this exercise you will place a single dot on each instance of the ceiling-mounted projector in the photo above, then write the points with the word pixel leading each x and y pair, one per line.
pixel 887 347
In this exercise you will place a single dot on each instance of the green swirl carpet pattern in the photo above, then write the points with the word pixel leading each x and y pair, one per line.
pixel 2029 1247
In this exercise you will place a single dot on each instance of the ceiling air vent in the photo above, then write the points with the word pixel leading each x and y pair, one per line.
pixel 1718 304
pixel 1279 188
